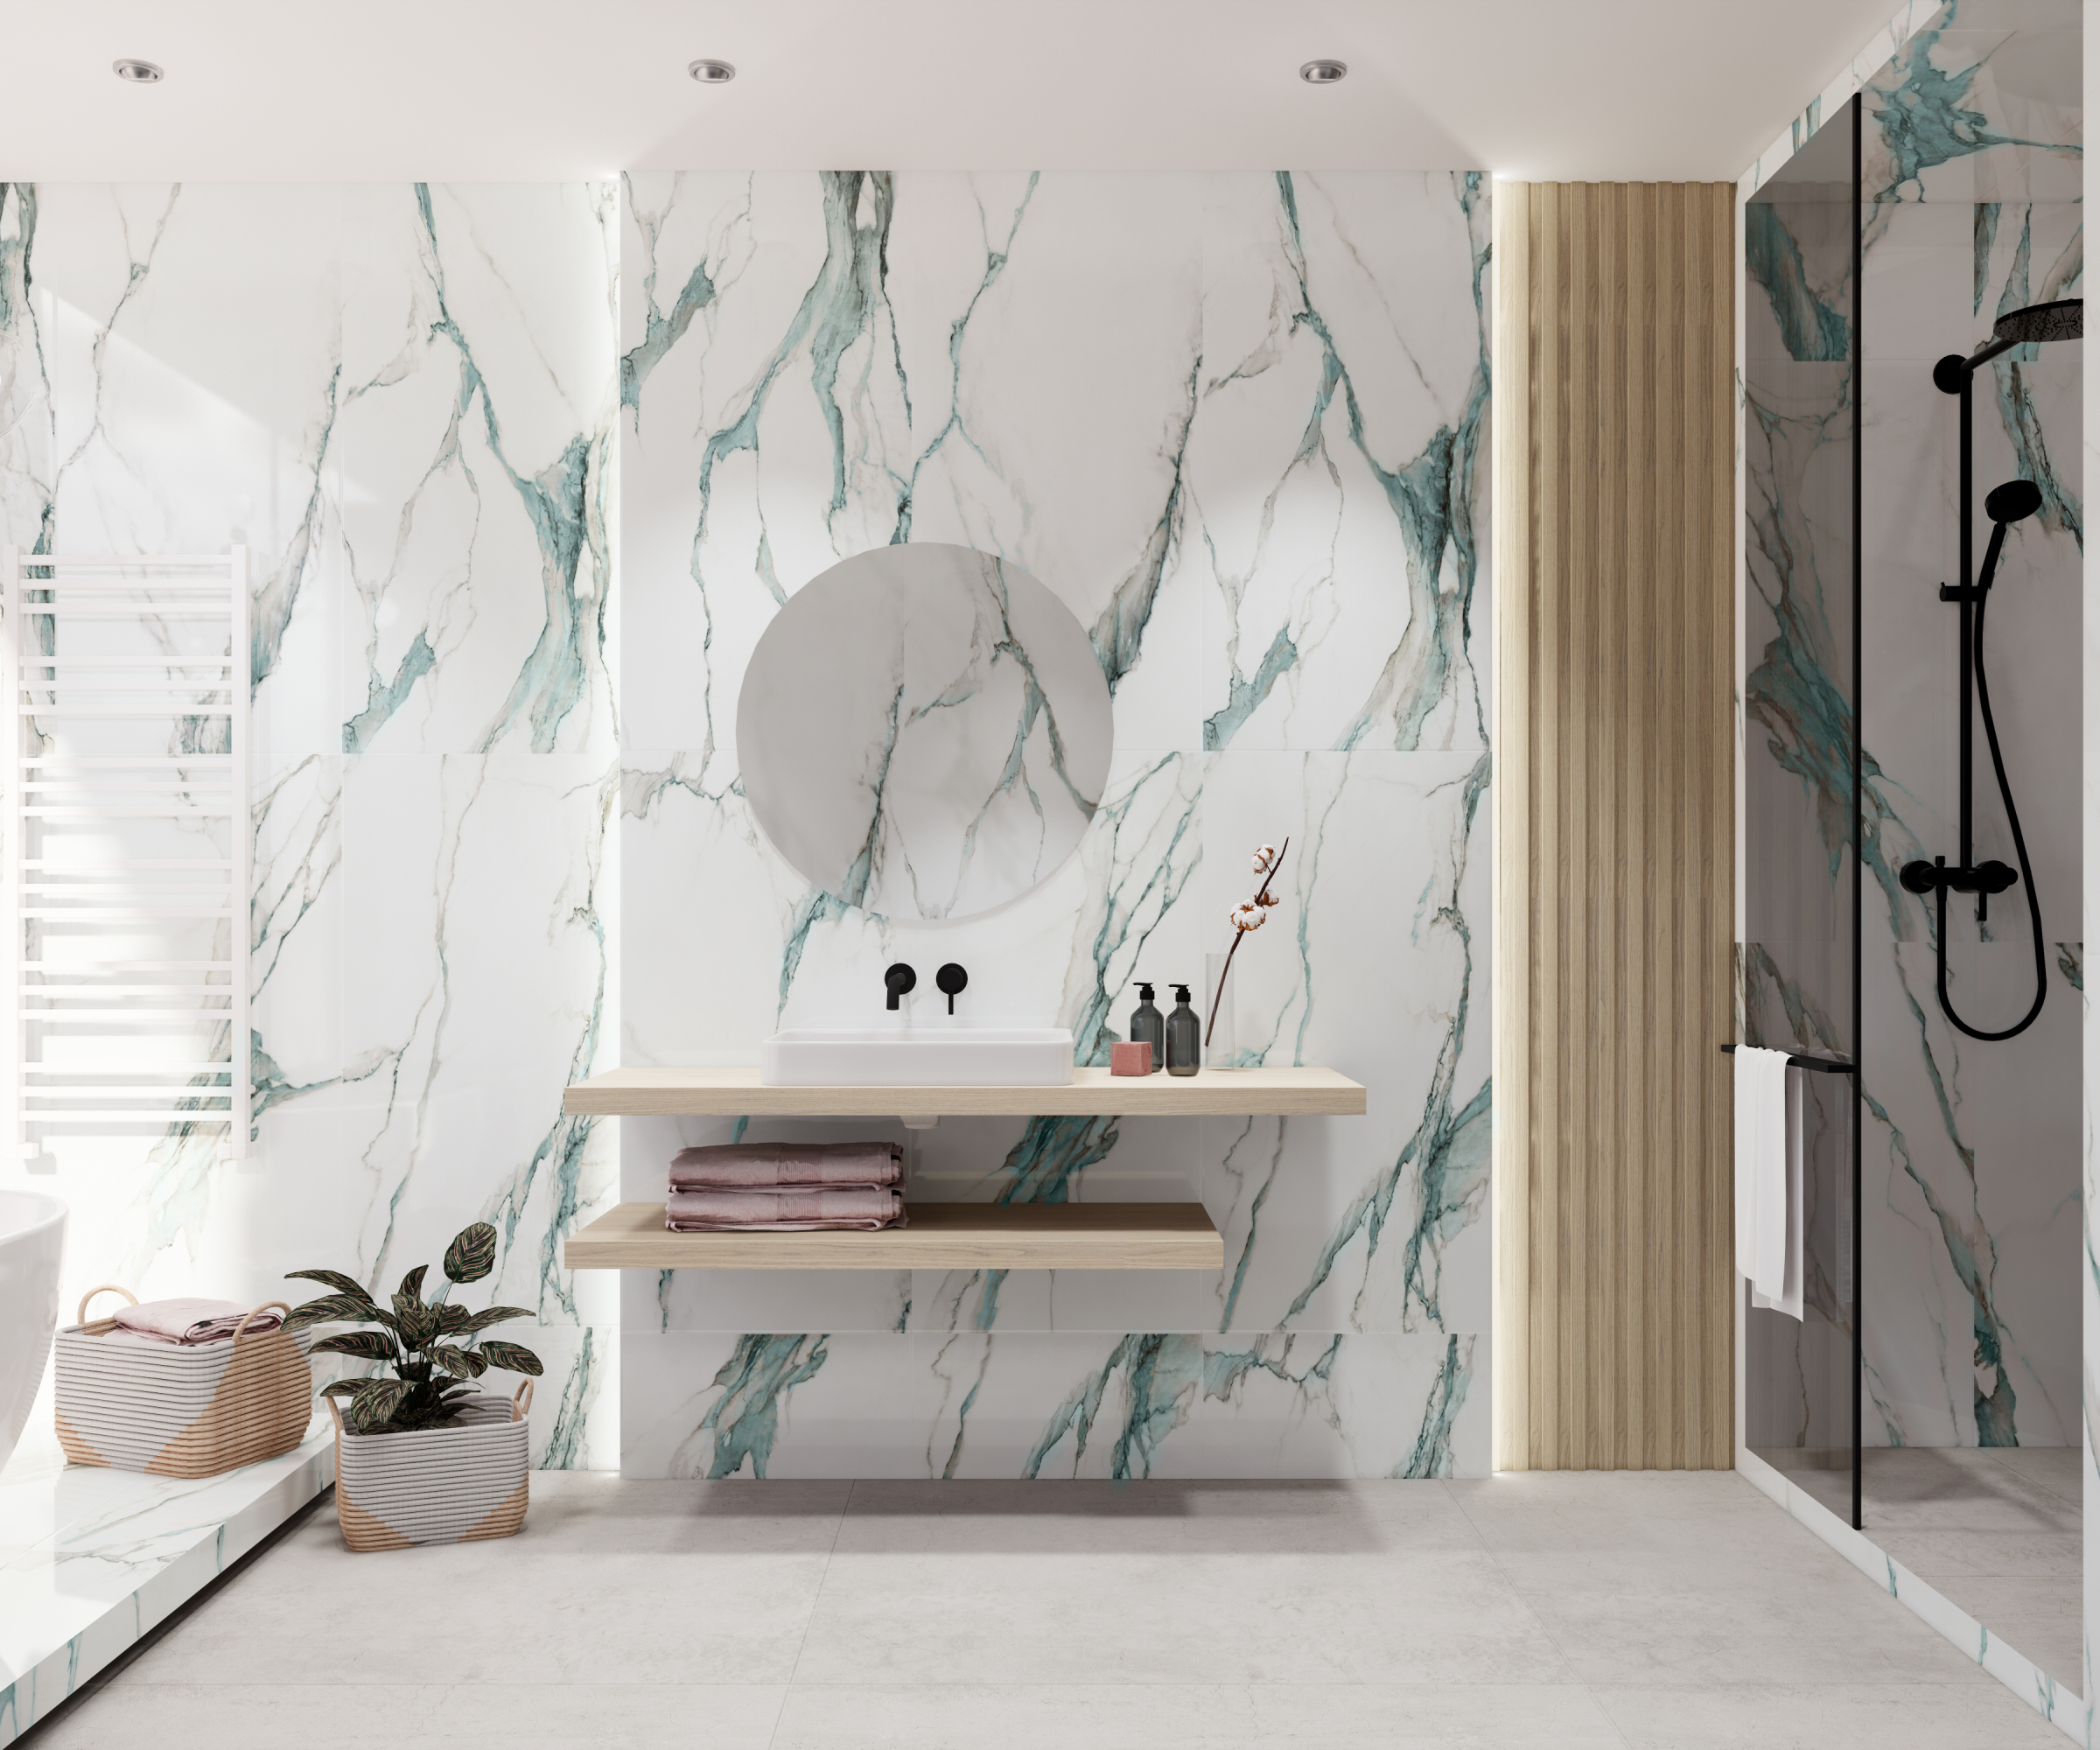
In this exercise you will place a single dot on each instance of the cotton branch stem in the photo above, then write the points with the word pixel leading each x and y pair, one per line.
pixel 1218 996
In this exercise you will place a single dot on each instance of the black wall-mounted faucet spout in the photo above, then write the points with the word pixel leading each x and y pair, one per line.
pixel 898 980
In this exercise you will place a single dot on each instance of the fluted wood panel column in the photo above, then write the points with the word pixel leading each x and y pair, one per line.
pixel 1614 822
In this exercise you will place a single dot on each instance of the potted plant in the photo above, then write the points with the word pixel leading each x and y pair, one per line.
pixel 421 1457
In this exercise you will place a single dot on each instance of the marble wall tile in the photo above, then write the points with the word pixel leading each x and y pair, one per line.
pixel 1237 424
pixel 402 398
pixel 971 1405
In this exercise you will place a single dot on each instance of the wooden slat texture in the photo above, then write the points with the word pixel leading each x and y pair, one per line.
pixel 936 1237
pixel 1614 816
pixel 1209 1093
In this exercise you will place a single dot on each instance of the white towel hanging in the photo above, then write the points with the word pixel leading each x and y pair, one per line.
pixel 1767 1177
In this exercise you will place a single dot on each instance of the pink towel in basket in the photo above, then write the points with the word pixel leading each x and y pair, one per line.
pixel 795 1211
pixel 190 1322
pixel 760 1166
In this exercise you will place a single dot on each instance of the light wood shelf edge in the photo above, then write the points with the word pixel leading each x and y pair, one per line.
pixel 1304 1092
pixel 937 1236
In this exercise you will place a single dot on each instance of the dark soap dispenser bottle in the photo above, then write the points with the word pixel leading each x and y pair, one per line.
pixel 1148 1027
pixel 1184 1037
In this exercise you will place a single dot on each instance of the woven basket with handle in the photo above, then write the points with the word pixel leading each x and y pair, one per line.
pixel 172 1409
pixel 465 1479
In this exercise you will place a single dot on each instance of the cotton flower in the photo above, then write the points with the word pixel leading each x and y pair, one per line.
pixel 1247 917
pixel 1265 859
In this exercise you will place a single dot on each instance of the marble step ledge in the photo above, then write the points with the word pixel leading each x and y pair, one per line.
pixel 92 1560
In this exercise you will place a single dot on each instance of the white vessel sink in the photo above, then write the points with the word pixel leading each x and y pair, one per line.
pixel 917 1057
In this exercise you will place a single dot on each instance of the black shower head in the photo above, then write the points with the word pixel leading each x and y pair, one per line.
pixel 2062 321
pixel 2012 502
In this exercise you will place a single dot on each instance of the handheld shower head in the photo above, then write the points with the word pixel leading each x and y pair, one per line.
pixel 2014 501
pixel 2061 320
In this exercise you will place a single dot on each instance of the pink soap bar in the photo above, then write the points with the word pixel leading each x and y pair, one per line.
pixel 1130 1060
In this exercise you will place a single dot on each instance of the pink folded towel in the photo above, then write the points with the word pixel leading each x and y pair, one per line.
pixel 191 1321
pixel 760 1166
pixel 863 1206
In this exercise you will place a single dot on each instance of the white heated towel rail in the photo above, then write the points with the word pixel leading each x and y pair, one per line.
pixel 126 867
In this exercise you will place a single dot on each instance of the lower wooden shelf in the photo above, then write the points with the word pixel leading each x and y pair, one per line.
pixel 938 1236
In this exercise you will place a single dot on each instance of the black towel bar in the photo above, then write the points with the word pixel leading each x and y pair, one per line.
pixel 1829 1066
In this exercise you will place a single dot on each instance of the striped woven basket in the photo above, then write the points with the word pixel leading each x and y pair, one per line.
pixel 168 1409
pixel 452 1484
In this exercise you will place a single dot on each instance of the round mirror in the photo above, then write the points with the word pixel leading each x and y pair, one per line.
pixel 924 731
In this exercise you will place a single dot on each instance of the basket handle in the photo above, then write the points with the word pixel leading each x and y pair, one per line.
pixel 520 1400
pixel 264 1308
pixel 335 1409
pixel 80 1318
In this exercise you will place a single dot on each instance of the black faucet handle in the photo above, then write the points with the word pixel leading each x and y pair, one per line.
pixel 899 980
pixel 951 978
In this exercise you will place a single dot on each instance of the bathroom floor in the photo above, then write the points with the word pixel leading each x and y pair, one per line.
pixel 1550 1609
pixel 1996 1530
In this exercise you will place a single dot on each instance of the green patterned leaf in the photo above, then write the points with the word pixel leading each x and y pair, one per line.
pixel 452 1319
pixel 341 1388
pixel 372 1346
pixel 410 1292
pixel 473 1255
pixel 375 1402
pixel 496 1315
pixel 463 1363
pixel 511 1358
pixel 336 1309
pixel 333 1279
pixel 417 1325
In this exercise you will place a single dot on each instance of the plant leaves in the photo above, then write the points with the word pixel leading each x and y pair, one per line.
pixel 333 1279
pixel 336 1309
pixel 410 1292
pixel 452 1319
pixel 511 1358
pixel 496 1315
pixel 463 1363
pixel 342 1387
pixel 473 1255
pixel 417 1325
pixel 375 1402
pixel 372 1346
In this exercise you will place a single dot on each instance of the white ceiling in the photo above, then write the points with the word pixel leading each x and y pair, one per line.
pixel 525 90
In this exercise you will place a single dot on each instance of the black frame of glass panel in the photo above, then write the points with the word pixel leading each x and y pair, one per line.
pixel 1858 847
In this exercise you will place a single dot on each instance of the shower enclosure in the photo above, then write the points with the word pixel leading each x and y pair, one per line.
pixel 1930 1393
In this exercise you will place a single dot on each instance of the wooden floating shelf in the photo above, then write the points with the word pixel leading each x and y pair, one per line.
pixel 938 1236
pixel 738 1093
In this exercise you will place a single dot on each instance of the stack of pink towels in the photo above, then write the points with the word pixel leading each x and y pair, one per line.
pixel 785 1188
pixel 190 1322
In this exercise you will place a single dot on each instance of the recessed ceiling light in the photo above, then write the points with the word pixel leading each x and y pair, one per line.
pixel 1324 71
pixel 713 71
pixel 138 72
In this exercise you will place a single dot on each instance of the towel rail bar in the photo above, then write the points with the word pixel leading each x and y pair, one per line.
pixel 1827 1065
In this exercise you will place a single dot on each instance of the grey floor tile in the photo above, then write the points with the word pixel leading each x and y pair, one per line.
pixel 609 1582
pixel 1856 1716
pixel 1574 1511
pixel 1160 1518
pixel 1651 1617
pixel 1920 1489
pixel 1936 1555
pixel 1195 1717
pixel 518 1716
pixel 1390 1616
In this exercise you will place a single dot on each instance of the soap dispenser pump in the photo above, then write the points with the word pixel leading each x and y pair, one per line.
pixel 1184 1037
pixel 1148 1027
